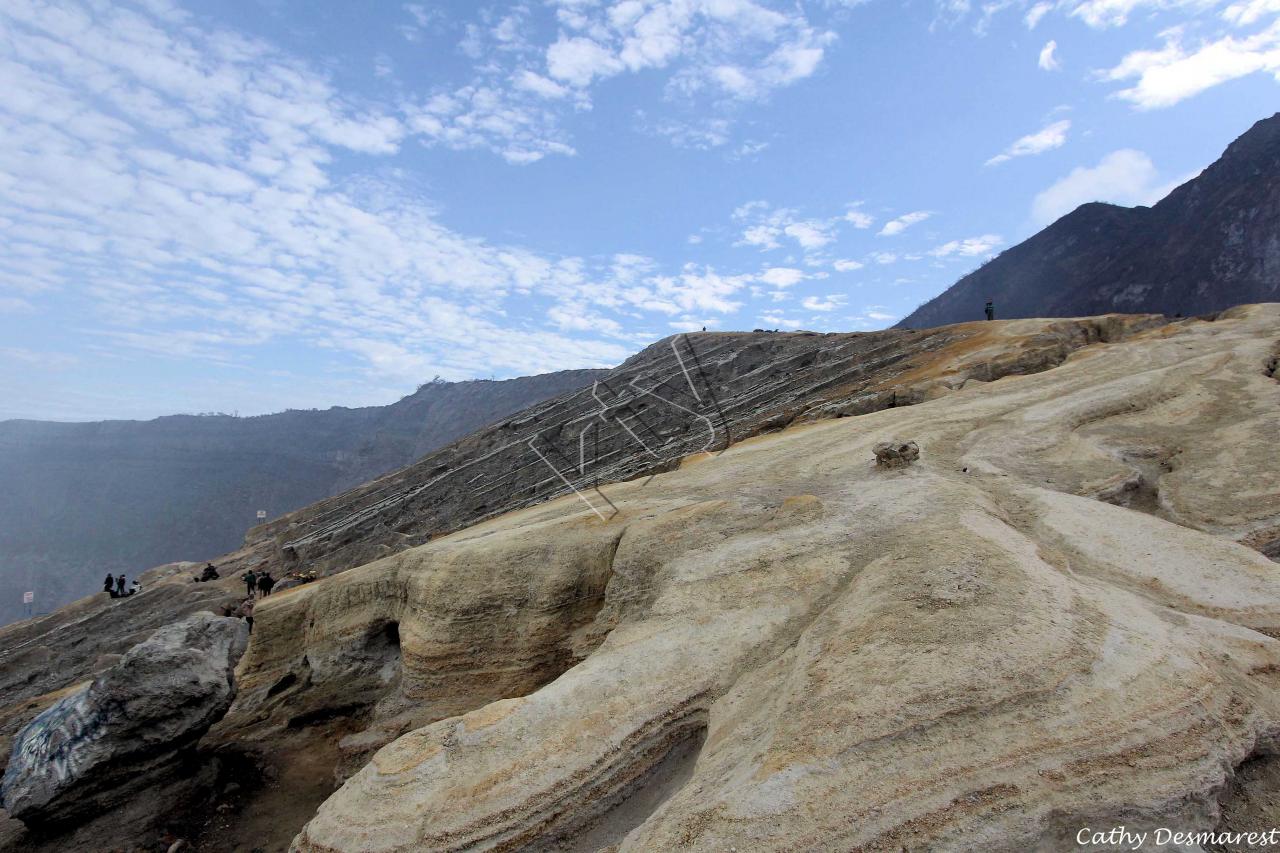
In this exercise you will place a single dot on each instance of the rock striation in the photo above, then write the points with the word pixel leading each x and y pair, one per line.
pixel 1047 622
pixel 683 395
pixel 101 745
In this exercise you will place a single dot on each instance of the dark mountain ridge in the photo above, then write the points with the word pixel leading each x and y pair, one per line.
pixel 84 499
pixel 1212 243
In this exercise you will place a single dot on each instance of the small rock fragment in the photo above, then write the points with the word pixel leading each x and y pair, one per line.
pixel 896 454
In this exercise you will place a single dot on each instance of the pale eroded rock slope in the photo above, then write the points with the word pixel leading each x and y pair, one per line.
pixel 1059 616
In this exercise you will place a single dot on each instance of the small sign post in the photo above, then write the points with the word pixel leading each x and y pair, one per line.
pixel 27 598
pixel 262 513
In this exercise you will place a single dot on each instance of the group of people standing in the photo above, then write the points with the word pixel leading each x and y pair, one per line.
pixel 261 582
pixel 115 586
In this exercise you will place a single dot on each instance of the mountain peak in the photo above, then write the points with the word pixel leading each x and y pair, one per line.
pixel 1212 243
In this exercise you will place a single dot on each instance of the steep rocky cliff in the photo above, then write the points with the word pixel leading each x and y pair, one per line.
pixel 84 499
pixel 1212 243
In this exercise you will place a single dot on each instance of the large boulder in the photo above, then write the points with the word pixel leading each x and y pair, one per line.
pixel 98 746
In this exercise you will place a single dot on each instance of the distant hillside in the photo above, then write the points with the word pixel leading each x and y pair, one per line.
pixel 1212 243
pixel 82 499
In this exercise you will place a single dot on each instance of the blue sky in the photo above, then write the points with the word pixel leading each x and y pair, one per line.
pixel 247 206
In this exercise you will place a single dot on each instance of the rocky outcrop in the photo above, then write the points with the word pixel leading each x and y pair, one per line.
pixel 781 648
pixel 1212 243
pixel 43 658
pixel 896 454
pixel 103 744
pixel 688 394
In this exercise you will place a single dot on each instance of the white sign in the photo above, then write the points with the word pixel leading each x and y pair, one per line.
pixel 28 597
pixel 262 513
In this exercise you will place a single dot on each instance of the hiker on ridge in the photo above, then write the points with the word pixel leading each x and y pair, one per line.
pixel 109 584
pixel 209 574
pixel 120 585
pixel 250 579
pixel 991 310
pixel 265 582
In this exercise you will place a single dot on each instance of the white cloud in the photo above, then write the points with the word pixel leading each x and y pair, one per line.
pixel 903 222
pixel 538 85
pixel 741 49
pixel 883 257
pixel 1173 73
pixel 859 219
pixel 522 91
pixel 1125 177
pixel 764 235
pixel 1036 13
pixel 578 61
pixel 749 149
pixel 767 226
pixel 206 194
pixel 782 277
pixel 700 289
pixel 968 247
pixel 847 265
pixel 485 116
pixel 699 135
pixel 810 234
pixel 579 318
pixel 1249 12
pixel 1050 137
pixel 1048 57
pixel 779 322
pixel 422 18
pixel 1101 14
pixel 829 303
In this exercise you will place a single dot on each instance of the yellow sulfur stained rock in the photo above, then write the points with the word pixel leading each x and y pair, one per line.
pixel 781 648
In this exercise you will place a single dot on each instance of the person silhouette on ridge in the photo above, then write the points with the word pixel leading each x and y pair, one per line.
pixel 991 310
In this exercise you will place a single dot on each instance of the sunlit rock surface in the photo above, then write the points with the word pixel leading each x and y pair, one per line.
pixel 683 395
pixel 1061 611
pixel 1058 616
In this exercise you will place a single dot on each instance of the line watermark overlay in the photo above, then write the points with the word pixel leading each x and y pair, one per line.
pixel 621 410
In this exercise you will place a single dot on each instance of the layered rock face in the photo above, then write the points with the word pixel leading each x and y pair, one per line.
pixel 103 744
pixel 691 393
pixel 1047 621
